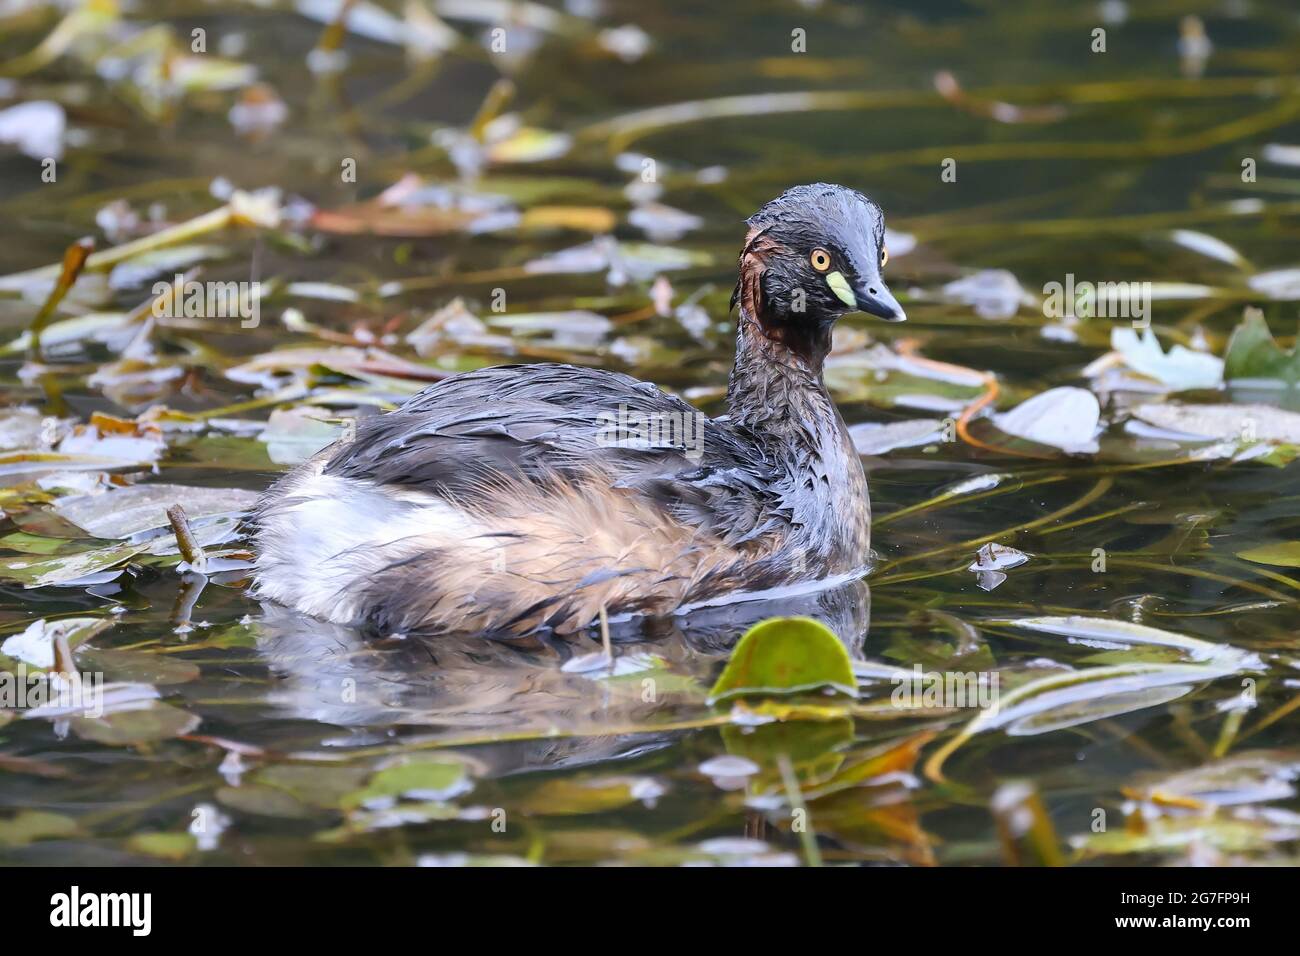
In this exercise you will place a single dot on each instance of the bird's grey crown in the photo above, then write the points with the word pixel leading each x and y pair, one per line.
pixel 821 210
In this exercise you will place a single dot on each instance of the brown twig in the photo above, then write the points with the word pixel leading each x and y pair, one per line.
pixel 191 550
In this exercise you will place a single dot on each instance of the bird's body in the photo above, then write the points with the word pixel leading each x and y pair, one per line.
pixel 520 498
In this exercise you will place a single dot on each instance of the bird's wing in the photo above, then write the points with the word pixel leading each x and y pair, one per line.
pixel 544 422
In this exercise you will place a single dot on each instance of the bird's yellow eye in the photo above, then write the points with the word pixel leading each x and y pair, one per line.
pixel 884 257
pixel 820 259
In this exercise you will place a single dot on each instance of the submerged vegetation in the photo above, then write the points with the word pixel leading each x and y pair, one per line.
pixel 234 229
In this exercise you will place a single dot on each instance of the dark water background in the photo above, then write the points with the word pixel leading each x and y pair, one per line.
pixel 1111 151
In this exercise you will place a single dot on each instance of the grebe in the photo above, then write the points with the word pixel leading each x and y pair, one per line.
pixel 527 498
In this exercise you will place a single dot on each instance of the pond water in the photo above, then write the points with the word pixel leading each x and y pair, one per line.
pixel 569 183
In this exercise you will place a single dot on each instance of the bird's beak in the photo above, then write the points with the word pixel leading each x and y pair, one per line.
pixel 874 298
pixel 869 294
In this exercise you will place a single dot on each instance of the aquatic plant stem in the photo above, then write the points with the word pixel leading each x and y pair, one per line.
pixel 604 636
pixel 1228 732
pixel 799 809
pixel 908 349
pixel 1025 830
pixel 1097 490
pixel 1290 707
pixel 104 260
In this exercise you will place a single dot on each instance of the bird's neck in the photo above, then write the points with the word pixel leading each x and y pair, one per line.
pixel 777 392
pixel 776 384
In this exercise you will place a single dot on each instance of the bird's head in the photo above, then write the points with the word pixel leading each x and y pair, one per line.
pixel 813 254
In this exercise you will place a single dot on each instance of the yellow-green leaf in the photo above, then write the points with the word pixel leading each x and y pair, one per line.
pixel 786 655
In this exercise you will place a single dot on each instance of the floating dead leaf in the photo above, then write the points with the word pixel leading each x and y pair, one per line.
pixel 1251 776
pixel 69 570
pixel 1064 418
pixel 992 293
pixel 508 141
pixel 403 814
pixel 138 509
pixel 581 218
pixel 35 645
pixel 116 442
pixel 1072 698
pixel 165 263
pixel 1179 368
pixel 293 435
pixel 1241 423
pixel 324 787
pixel 663 223
pixel 576 328
pixel 39 544
pixel 879 375
pixel 96 702
pixel 621 261
pixel 1166 835
pixel 1208 246
pixel 367 363
pixel 1281 284
pixel 996 557
pixel 264 801
pixel 396 221
pixel 872 438
pixel 455 325
pixel 35 129
pixel 412 207
pixel 114 330
pixel 1108 633
pixel 25 427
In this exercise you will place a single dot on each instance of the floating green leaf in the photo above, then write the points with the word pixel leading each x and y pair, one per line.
pixel 786 655
pixel 564 796
pixel 164 846
pixel 1253 353
pixel 30 825
pixel 1283 554
pixel 264 801
pixel 126 727
pixel 415 779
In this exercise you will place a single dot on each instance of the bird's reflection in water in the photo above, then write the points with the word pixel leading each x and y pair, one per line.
pixel 470 688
